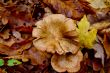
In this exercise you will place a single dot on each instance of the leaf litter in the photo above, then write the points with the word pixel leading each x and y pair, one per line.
pixel 53 36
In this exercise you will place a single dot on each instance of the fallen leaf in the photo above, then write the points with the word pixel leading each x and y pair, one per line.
pixel 102 28
pixel 5 34
pixel 86 37
pixel 99 52
pixel 97 64
pixel 98 4
pixel 72 9
pixel 13 62
pixel 5 50
pixel 8 42
pixel 1 62
pixel 37 57
pixel 106 44
pixel 4 20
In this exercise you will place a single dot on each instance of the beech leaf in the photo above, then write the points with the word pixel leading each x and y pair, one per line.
pixel 86 37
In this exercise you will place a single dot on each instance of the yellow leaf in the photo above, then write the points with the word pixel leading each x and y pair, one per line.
pixel 86 37
pixel 83 25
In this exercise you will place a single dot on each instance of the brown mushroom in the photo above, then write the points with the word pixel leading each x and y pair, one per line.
pixel 56 33
pixel 68 62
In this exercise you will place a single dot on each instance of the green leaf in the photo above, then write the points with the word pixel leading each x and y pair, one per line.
pixel 86 37
pixel 1 62
pixel 13 62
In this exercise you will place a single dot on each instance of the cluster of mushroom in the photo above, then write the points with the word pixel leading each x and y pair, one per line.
pixel 56 34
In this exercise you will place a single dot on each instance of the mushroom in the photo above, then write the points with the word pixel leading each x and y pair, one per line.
pixel 56 34
pixel 69 62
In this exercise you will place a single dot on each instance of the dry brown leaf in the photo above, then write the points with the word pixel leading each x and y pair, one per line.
pixel 4 20
pixel 101 25
pixel 5 49
pixel 72 9
pixel 97 64
pixel 5 34
pixel 8 42
pixel 106 43
pixel 37 57
pixel 22 57
pixel 99 52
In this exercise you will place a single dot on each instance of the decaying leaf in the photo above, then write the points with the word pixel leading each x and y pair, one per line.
pixel 52 44
pixel 101 25
pixel 5 34
pixel 106 44
pixel 8 42
pixel 56 33
pixel 37 57
pixel 86 37
pixel 99 52
pixel 68 62
pixel 98 4
pixel 69 8
pixel 97 64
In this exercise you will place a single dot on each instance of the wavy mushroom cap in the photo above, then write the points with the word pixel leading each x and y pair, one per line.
pixel 68 62
pixel 56 33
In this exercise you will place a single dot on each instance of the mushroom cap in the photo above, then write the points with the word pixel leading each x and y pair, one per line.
pixel 68 62
pixel 56 33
